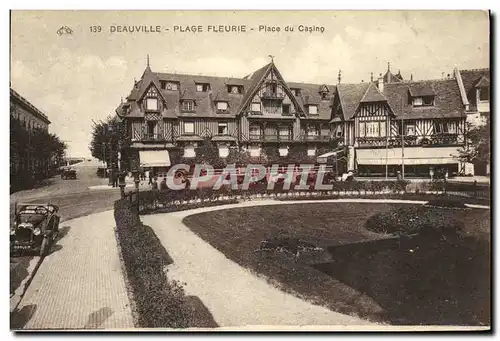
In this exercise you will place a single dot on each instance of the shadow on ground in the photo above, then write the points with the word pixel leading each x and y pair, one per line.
pixel 98 317
pixel 18 271
pixel 419 283
pixel 19 318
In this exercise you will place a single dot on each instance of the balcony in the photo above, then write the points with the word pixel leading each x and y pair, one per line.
pixel 272 95
pixel 316 138
pixel 270 137
pixel 436 140
pixel 379 141
pixel 149 137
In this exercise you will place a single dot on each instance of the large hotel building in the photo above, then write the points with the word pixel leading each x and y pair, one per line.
pixel 379 125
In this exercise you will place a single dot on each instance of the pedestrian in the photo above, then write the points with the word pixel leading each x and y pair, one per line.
pixel 150 177
pixel 163 184
pixel 431 173
pixel 115 179
pixel 154 184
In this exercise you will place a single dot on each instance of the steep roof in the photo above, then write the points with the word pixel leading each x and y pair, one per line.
pixel 447 100
pixel 309 95
pixel 205 101
pixel 350 96
pixel 389 77
pixel 373 94
pixel 470 79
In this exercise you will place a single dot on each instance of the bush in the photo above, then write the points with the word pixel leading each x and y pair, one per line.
pixel 447 201
pixel 415 220
pixel 159 303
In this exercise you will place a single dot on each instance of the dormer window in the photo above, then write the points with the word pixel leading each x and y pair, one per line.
pixel 202 87
pixel 188 106
pixel 312 109
pixel 235 89
pixel 423 101
pixel 484 93
pixel 222 106
pixel 151 103
pixel 255 107
pixel 324 96
pixel 295 91
pixel 170 86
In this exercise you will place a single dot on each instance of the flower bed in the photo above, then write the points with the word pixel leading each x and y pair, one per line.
pixel 415 220
pixel 159 303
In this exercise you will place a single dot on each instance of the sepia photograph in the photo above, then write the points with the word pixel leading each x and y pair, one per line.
pixel 244 170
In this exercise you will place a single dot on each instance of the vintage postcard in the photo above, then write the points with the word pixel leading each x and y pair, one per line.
pixel 250 170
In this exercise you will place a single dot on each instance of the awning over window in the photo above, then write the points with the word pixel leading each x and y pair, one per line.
pixel 413 156
pixel 337 153
pixel 154 158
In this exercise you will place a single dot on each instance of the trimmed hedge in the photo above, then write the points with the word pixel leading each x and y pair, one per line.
pixel 159 303
pixel 425 221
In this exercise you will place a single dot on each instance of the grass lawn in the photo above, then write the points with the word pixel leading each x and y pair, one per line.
pixel 355 271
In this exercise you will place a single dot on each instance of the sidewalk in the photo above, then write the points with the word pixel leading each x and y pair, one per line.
pixel 80 284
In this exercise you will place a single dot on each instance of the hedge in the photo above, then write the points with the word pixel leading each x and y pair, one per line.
pixel 420 220
pixel 160 303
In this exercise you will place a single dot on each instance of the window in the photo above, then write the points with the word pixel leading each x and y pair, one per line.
pixel 312 131
pixel 286 109
pixel 151 104
pixel 339 131
pixel 423 101
pixel 283 151
pixel 284 131
pixel 151 129
pixel 188 128
pixel 222 129
pixel 295 91
pixel 324 96
pixel 254 130
pixel 313 109
pixel 372 129
pixel 311 152
pixel 255 107
pixel 189 151
pixel 254 151
pixel 172 86
pixel 222 106
pixel 187 106
pixel 440 128
pixel 202 87
pixel 223 151
pixel 410 130
pixel 235 89
pixel 484 94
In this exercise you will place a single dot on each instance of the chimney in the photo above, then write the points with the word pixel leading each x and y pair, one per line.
pixel 442 75
pixel 411 77
pixel 449 77
pixel 371 77
pixel 380 83
pixel 339 76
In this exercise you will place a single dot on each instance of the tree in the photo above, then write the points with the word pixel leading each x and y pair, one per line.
pixel 297 154
pixel 477 148
pixel 271 154
pixel 238 157
pixel 109 137
pixel 208 153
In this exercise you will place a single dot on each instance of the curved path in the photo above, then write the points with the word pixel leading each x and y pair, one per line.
pixel 80 284
pixel 234 295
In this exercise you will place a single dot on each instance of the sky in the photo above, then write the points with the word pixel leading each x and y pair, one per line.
pixel 80 77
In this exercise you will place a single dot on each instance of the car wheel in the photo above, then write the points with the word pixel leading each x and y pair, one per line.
pixel 44 248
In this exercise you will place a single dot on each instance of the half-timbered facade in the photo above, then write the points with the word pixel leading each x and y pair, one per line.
pixel 173 113
pixel 415 125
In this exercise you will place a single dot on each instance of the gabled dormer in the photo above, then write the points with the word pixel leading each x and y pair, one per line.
pixel 169 85
pixel 324 92
pixel 421 95
pixel 202 87
pixel 187 102
pixel 235 89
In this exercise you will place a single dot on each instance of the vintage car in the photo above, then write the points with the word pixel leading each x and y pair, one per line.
pixel 68 173
pixel 34 229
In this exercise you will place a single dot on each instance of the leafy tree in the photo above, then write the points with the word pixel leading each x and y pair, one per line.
pixel 238 157
pixel 477 148
pixel 271 154
pixel 208 153
pixel 109 137
pixel 297 154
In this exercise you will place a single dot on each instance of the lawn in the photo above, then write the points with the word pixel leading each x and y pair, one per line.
pixel 322 252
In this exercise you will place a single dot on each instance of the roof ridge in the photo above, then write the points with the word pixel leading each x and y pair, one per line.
pixel 479 69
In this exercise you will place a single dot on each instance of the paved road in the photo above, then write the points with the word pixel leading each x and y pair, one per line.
pixel 74 199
